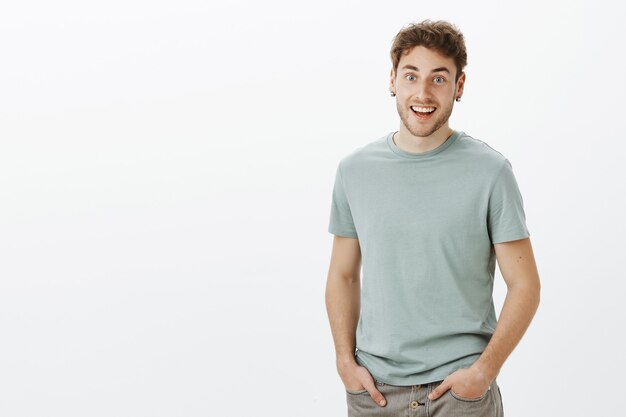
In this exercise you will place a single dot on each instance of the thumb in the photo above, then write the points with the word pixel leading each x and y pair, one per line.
pixel 439 390
pixel 378 397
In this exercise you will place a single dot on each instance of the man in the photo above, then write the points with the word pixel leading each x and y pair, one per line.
pixel 427 210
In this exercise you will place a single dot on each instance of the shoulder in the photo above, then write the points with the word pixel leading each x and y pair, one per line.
pixel 363 155
pixel 480 152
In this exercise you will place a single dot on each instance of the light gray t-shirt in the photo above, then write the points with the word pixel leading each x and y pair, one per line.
pixel 426 225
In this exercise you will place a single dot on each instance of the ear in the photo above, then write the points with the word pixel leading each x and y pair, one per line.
pixel 461 84
pixel 392 79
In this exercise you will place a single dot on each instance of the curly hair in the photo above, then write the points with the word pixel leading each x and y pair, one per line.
pixel 438 35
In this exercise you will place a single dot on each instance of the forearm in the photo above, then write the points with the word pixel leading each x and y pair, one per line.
pixel 519 308
pixel 343 304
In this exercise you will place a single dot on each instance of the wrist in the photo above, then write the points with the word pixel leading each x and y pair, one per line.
pixel 485 371
pixel 344 361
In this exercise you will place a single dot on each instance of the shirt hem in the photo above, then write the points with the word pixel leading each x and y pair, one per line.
pixel 417 381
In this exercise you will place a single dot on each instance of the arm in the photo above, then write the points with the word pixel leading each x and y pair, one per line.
pixel 343 297
pixel 343 303
pixel 517 265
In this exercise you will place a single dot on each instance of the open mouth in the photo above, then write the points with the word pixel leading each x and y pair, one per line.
pixel 423 113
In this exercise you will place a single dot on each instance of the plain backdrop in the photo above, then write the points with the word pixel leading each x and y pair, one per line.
pixel 166 171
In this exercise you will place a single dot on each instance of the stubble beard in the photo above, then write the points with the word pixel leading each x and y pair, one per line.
pixel 414 126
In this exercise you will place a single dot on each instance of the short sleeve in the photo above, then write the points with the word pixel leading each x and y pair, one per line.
pixel 506 218
pixel 341 222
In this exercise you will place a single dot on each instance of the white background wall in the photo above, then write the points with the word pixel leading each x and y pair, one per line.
pixel 165 180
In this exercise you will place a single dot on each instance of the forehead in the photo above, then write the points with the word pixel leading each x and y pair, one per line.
pixel 425 59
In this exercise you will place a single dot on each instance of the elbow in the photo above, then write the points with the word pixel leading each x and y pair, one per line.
pixel 344 276
pixel 530 289
pixel 538 293
pixel 536 289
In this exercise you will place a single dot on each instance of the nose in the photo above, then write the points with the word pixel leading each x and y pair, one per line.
pixel 422 91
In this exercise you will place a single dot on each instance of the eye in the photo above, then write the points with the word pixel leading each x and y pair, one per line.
pixel 410 75
pixel 441 78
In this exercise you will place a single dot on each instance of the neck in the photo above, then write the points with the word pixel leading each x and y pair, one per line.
pixel 419 144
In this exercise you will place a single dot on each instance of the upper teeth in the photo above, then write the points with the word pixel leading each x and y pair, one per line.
pixel 423 109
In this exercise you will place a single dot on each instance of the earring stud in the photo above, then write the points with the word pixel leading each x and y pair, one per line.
pixel 458 99
pixel 393 94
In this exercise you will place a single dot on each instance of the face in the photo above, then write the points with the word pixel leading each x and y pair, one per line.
pixel 422 80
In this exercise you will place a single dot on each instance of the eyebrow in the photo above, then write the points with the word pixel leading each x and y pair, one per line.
pixel 440 69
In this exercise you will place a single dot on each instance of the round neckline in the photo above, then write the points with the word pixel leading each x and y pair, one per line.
pixel 413 155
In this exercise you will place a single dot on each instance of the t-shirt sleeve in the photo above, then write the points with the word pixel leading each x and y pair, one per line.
pixel 506 218
pixel 341 222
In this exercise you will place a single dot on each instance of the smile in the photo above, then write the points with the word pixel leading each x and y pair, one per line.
pixel 423 113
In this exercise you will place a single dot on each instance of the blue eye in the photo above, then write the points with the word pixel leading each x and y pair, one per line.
pixel 410 76
pixel 442 80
